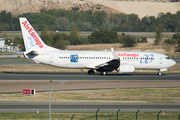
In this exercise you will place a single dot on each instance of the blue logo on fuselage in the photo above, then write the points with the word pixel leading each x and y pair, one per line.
pixel 74 58
pixel 146 59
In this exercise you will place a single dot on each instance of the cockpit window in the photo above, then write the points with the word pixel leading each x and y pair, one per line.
pixel 168 58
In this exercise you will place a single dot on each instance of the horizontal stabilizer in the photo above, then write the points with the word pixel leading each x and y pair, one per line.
pixel 31 54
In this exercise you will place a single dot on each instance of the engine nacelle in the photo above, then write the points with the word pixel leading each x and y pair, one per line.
pixel 126 68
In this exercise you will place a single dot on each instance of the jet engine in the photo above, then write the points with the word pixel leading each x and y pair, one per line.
pixel 126 68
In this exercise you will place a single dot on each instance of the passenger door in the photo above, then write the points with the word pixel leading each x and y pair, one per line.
pixel 160 59
pixel 51 58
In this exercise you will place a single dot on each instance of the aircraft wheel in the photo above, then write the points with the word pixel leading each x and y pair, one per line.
pixel 91 72
pixel 159 73
pixel 104 73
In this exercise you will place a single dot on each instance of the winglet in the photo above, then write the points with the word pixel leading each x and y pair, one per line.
pixel 114 54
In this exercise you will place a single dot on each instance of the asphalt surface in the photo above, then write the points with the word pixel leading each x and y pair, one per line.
pixel 87 107
pixel 85 76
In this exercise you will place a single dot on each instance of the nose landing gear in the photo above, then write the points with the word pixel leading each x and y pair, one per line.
pixel 159 73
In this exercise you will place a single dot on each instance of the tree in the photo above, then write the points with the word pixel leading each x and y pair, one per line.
pixel 62 23
pixel 73 37
pixel 128 41
pixel 18 41
pixel 176 36
pixel 170 41
pixel 86 26
pixel 178 42
pixel 103 36
pixel 142 40
pixel 61 44
pixel 159 36
pixel 61 19
pixel 46 37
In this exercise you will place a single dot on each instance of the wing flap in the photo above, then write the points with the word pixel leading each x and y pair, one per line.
pixel 111 64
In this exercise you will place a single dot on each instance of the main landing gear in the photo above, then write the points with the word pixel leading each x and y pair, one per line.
pixel 159 73
pixel 91 72
pixel 103 73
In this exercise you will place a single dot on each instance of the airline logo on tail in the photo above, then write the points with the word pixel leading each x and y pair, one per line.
pixel 32 33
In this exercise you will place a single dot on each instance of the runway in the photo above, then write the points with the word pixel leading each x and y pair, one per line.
pixel 85 76
pixel 12 82
pixel 87 107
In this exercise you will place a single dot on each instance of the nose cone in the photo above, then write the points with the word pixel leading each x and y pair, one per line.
pixel 173 62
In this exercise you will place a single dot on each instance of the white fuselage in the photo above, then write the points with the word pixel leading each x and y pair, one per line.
pixel 89 59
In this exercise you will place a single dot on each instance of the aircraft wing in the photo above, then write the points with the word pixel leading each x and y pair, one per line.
pixel 111 64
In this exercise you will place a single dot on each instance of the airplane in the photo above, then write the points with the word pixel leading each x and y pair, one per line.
pixel 100 61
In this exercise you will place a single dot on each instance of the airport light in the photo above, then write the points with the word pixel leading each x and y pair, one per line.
pixel 50 98
pixel 117 113
pixel 158 115
pixel 137 113
pixel 96 113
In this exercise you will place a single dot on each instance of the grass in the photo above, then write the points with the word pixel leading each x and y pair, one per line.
pixel 145 95
pixel 89 116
